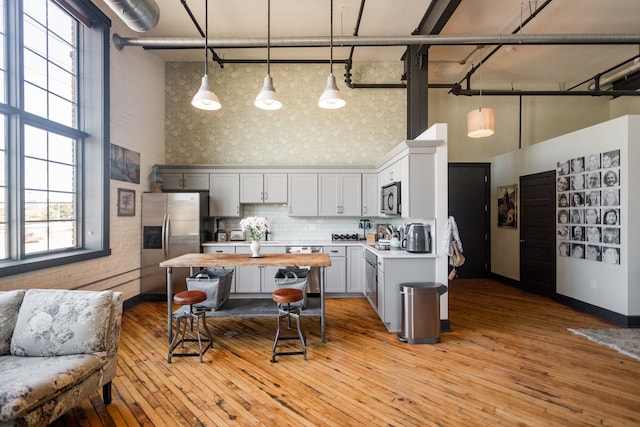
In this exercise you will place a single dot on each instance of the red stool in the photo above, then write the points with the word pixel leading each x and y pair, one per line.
pixel 288 296
pixel 190 298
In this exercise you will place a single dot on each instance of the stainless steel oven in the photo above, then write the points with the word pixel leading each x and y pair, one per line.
pixel 371 277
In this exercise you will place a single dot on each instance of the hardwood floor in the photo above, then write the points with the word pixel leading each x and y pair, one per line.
pixel 509 360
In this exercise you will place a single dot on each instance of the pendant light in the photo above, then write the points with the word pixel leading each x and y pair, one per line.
pixel 205 99
pixel 482 121
pixel 331 98
pixel 267 99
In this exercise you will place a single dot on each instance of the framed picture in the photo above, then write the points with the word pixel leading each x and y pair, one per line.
pixel 124 164
pixel 126 202
pixel 507 206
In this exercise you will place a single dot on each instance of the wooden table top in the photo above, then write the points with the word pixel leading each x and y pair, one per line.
pixel 235 260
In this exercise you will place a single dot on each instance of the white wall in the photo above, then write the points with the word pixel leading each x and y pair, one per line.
pixel 543 117
pixel 613 287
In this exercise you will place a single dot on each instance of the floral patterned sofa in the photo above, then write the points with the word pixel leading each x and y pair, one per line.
pixel 57 347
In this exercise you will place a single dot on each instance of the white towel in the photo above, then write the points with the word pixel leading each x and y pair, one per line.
pixel 450 234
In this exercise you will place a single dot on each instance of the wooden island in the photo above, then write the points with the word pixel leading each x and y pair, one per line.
pixel 247 307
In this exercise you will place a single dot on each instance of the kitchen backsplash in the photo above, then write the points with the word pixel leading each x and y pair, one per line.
pixel 286 228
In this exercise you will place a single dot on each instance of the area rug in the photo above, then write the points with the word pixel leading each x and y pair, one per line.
pixel 625 341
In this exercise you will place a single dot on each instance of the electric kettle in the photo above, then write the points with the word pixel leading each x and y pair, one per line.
pixel 418 237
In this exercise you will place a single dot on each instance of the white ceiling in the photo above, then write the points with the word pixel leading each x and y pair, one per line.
pixel 520 67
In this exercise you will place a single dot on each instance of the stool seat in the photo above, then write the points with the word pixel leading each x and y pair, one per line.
pixel 287 295
pixel 189 297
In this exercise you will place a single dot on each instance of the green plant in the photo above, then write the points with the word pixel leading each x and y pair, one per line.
pixel 156 177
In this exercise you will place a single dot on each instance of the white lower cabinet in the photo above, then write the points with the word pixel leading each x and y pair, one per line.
pixel 392 273
pixel 257 279
pixel 335 275
pixel 355 267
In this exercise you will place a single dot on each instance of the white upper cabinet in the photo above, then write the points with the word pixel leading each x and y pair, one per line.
pixel 416 173
pixel 186 181
pixel 370 195
pixel 303 194
pixel 340 194
pixel 224 194
pixel 263 188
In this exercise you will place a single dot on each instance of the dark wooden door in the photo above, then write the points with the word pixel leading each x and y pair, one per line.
pixel 469 192
pixel 537 233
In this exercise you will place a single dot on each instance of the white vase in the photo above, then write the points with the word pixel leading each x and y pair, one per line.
pixel 255 248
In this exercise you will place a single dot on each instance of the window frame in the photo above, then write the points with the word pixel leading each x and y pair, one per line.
pixel 92 134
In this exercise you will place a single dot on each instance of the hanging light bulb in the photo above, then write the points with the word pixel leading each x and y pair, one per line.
pixel 331 98
pixel 205 99
pixel 482 121
pixel 267 99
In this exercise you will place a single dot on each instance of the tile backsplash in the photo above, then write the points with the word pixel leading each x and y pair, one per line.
pixel 286 228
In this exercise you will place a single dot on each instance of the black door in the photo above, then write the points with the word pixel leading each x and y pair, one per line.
pixel 469 192
pixel 537 233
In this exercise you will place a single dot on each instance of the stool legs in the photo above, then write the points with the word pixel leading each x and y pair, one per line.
pixel 181 331
pixel 288 313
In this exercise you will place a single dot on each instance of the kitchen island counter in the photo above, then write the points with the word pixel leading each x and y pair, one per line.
pixel 288 243
pixel 208 260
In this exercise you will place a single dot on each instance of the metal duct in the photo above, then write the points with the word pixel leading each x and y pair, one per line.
pixel 139 15
pixel 506 39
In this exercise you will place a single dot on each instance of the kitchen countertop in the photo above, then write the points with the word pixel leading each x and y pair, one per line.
pixel 392 253
pixel 223 260
pixel 289 243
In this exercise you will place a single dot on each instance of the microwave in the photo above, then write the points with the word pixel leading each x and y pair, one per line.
pixel 390 203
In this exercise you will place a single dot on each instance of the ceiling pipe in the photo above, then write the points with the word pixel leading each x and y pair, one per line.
pixel 607 82
pixel 497 48
pixel 139 15
pixel 187 9
pixel 349 64
pixel 346 41
pixel 457 90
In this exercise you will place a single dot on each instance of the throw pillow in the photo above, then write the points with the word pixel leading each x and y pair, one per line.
pixel 55 322
pixel 9 304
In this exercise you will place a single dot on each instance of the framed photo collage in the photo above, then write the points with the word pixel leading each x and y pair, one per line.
pixel 588 207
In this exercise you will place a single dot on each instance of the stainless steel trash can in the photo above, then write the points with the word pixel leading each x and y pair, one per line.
pixel 421 312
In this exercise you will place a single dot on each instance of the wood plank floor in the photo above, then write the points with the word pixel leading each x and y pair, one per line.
pixel 509 360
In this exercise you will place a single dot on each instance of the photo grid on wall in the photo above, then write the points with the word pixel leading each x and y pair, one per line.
pixel 588 207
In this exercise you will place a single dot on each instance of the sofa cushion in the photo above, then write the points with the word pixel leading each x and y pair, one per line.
pixel 53 322
pixel 27 382
pixel 9 305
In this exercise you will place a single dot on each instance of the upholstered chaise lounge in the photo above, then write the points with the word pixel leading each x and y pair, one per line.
pixel 57 347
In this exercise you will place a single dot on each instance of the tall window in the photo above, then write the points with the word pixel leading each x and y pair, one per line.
pixel 54 124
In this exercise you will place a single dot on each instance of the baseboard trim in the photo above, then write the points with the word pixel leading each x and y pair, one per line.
pixel 599 312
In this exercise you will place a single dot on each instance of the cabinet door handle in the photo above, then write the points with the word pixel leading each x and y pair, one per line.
pixel 219 251
pixel 265 196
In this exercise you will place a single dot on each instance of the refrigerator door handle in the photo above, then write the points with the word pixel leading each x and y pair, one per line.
pixel 165 236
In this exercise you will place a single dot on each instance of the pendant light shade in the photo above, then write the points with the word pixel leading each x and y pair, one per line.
pixel 331 98
pixel 481 122
pixel 205 99
pixel 267 99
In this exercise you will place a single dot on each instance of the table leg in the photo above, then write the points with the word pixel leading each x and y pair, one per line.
pixel 322 322
pixel 169 303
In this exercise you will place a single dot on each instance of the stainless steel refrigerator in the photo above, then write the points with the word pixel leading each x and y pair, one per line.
pixel 171 226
